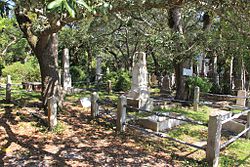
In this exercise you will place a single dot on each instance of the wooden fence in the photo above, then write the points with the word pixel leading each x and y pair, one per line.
pixel 214 125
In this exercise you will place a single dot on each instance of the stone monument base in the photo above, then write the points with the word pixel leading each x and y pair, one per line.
pixel 146 104
pixel 159 123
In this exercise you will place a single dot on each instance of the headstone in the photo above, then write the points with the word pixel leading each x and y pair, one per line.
pixel 138 95
pixel 67 83
pixel 233 126
pixel 98 69
pixel 241 101
pixel 109 88
pixel 172 79
pixel 85 102
pixel 154 80
pixel 160 123
pixel 166 84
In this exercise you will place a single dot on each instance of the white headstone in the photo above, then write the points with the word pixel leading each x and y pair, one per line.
pixel 139 91
pixel 85 102
pixel 67 83
pixel 98 68
pixel 139 88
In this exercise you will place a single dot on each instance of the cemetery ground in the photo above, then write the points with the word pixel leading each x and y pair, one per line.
pixel 79 140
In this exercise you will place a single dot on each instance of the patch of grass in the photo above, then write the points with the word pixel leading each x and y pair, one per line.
pixel 40 127
pixel 237 154
pixel 59 129
pixel 189 132
pixel 201 115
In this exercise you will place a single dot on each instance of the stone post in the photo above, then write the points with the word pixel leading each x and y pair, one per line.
pixel 196 98
pixel 98 69
pixel 248 125
pixel 121 114
pixel 94 105
pixel 67 83
pixel 52 112
pixel 8 89
pixel 213 141
pixel 109 86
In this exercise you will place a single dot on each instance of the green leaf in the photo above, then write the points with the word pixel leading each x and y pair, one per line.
pixel 81 2
pixel 54 4
pixel 71 11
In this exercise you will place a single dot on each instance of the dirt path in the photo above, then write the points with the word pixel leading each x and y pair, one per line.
pixel 83 143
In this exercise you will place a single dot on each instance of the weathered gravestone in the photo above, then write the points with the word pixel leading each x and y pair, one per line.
pixel 154 80
pixel 98 69
pixel 241 101
pixel 166 84
pixel 160 123
pixel 138 96
pixel 67 83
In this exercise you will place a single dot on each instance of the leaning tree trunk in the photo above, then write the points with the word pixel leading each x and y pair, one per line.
pixel 48 61
pixel 45 47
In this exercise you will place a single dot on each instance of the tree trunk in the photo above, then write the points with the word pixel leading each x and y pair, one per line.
pixel 48 61
pixel 45 47
pixel 181 87
pixel 175 24
pixel 238 73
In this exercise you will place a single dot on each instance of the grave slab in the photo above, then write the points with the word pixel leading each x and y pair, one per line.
pixel 160 123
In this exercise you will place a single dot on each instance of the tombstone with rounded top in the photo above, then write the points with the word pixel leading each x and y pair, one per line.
pixel 138 95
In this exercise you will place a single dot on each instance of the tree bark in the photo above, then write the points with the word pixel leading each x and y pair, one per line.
pixel 45 48
pixel 48 61
pixel 175 24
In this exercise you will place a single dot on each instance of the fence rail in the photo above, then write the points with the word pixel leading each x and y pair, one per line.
pixel 235 116
pixel 163 135
pixel 168 116
pixel 233 139
pixel 226 96
pixel 214 125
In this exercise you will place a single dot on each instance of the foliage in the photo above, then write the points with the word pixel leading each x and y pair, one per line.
pixel 203 83
pixel 120 80
pixel 123 81
pixel 77 74
pixel 19 72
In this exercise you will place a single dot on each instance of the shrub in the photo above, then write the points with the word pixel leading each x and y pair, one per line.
pixel 203 83
pixel 19 72
pixel 123 81
pixel 77 74
pixel 120 80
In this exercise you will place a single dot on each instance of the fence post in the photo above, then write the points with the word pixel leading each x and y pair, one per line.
pixel 196 98
pixel 213 141
pixel 8 89
pixel 94 105
pixel 248 125
pixel 52 112
pixel 121 113
pixel 109 86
